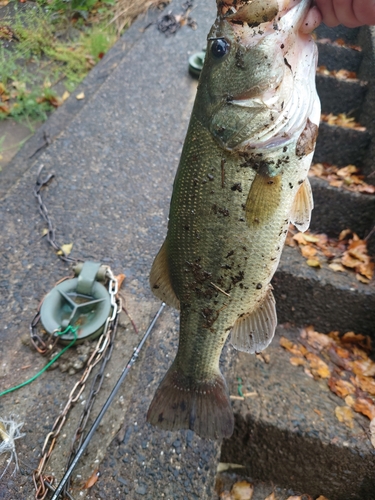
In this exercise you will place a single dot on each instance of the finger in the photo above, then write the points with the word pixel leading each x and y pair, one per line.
pixel 312 21
pixel 364 11
pixel 345 14
pixel 328 13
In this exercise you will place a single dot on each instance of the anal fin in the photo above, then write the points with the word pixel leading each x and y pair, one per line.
pixel 160 281
pixel 302 206
pixel 254 331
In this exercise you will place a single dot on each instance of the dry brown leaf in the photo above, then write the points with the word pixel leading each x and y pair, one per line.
pixel 322 498
pixel 308 251
pixel 341 388
pixel 337 267
pixel 366 384
pixel 345 415
pixel 315 339
pixel 341 120
pixel 242 491
pixel 300 238
pixel 349 400
pixel 91 480
pixel 365 367
pixel 317 366
pixel 365 406
pixel 297 361
pixel 311 238
pixel 290 346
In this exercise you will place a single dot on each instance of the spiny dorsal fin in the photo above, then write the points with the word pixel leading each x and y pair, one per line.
pixel 160 281
pixel 253 332
pixel 302 206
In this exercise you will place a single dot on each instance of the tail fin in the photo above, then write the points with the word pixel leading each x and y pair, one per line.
pixel 182 402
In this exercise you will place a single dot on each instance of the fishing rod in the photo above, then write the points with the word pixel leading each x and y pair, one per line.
pixel 98 419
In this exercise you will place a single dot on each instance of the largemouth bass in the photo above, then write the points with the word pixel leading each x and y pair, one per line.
pixel 241 180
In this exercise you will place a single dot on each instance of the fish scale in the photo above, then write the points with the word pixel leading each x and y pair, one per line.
pixel 240 181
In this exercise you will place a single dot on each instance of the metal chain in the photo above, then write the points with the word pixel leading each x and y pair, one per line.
pixel 102 350
pixel 96 385
pixel 40 183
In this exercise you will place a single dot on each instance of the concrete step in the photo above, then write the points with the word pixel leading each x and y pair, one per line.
pixel 341 146
pixel 338 209
pixel 347 35
pixel 341 96
pixel 287 432
pixel 329 300
pixel 336 57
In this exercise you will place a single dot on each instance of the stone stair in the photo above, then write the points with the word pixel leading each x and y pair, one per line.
pixel 336 300
pixel 278 436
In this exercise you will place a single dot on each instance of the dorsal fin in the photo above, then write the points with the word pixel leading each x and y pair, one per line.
pixel 254 331
pixel 302 206
pixel 160 281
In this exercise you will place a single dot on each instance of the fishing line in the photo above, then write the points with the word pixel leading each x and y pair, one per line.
pixel 106 405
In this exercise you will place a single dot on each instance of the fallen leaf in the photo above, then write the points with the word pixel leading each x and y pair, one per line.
pixel 310 238
pixel 300 238
pixel 318 412
pixel 290 346
pixel 345 415
pixel 322 498
pixel 92 479
pixel 308 251
pixel 364 367
pixel 242 491
pixel 366 384
pixel 365 406
pixel 337 267
pixel 65 249
pixel 317 366
pixel 372 432
pixel 313 263
pixel 349 400
pixel 45 231
pixel 315 339
pixel 297 361
pixel 65 96
pixel 341 388
pixel 80 96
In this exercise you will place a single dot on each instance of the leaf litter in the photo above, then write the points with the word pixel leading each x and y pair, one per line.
pixel 348 177
pixel 344 362
pixel 341 74
pixel 348 253
pixel 342 120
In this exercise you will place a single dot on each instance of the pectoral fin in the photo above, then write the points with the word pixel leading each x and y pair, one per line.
pixel 263 199
pixel 302 207
pixel 160 281
pixel 253 332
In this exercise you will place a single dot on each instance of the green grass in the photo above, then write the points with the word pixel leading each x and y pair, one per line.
pixel 43 53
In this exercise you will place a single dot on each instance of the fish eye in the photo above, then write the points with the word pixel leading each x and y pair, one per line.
pixel 219 48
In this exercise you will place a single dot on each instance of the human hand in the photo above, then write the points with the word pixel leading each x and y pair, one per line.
pixel 350 13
